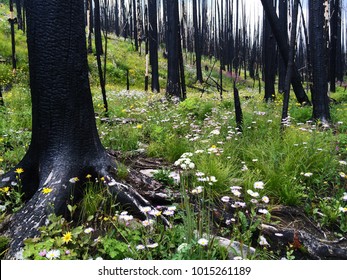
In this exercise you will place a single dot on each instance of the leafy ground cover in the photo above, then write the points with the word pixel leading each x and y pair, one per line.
pixel 230 181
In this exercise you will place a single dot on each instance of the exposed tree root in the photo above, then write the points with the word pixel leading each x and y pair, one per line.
pixel 55 192
pixel 293 229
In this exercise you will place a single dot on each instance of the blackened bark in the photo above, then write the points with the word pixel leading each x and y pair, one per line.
pixel 283 47
pixel 237 39
pixel 1 97
pixel 135 26
pixel 197 43
pixel 173 87
pixel 333 43
pixel 146 48
pixel 339 56
pixel 64 142
pixel 99 52
pixel 282 7
pixel 116 18
pixel 13 40
pixel 90 24
pixel 319 87
pixel 238 109
pixel 97 28
pixel 19 14
pixel 124 19
pixel 290 65
pixel 269 61
pixel 153 44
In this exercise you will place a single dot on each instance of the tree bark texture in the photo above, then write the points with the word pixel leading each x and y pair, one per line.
pixel 153 44
pixel 283 47
pixel 319 87
pixel 282 7
pixel 197 43
pixel 269 61
pixel 173 87
pixel 64 142
pixel 290 65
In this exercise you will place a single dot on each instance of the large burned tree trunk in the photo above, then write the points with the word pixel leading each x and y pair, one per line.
pixel 319 87
pixel 65 142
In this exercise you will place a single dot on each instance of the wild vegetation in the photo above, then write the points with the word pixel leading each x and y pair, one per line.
pixel 228 182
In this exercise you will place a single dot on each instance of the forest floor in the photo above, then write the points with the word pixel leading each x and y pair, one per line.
pixel 259 193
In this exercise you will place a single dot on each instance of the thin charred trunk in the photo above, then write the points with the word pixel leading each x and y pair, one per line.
pixel 97 28
pixel 13 39
pixel 269 60
pixel 146 48
pixel 339 56
pixel 116 18
pixel 1 97
pixel 283 47
pixel 334 4
pixel 135 26
pixel 173 87
pixel 283 18
pixel 19 14
pixel 124 20
pixel 197 43
pixel 319 87
pixel 290 65
pixel 99 52
pixel 238 109
pixel 153 44
pixel 90 25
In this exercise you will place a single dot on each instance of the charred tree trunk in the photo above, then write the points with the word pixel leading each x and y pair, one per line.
pixel 339 56
pixel 13 39
pixel 97 28
pixel 238 109
pixel 153 44
pixel 197 43
pixel 1 97
pixel 173 88
pixel 283 47
pixel 99 52
pixel 283 18
pixel 290 65
pixel 135 26
pixel 146 48
pixel 19 14
pixel 124 20
pixel 269 60
pixel 64 142
pixel 116 18
pixel 90 24
pixel 333 42
pixel 319 87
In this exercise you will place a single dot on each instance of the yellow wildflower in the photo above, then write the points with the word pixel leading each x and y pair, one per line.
pixel 46 190
pixel 139 126
pixel 213 146
pixel 19 170
pixel 67 237
pixel 88 176
pixel 5 189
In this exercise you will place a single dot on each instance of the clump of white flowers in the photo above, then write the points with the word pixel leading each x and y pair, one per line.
pixel 185 162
